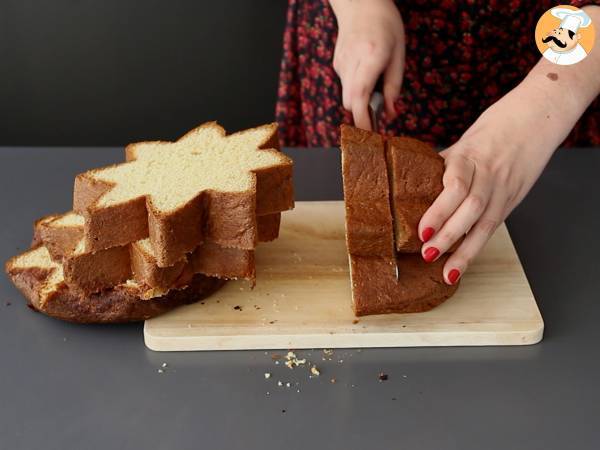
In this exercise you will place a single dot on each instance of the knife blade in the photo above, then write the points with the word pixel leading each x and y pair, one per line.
pixel 376 105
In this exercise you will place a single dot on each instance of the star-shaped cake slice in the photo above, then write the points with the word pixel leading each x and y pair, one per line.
pixel 205 186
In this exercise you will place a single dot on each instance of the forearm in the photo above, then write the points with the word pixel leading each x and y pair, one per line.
pixel 342 7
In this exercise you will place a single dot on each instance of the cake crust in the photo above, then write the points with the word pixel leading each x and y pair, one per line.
pixel 92 272
pixel 375 289
pixel 369 229
pixel 416 172
pixel 41 281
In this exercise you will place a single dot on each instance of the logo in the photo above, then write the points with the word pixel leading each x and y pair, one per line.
pixel 565 35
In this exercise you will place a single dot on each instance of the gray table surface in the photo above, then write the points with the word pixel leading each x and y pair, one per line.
pixel 65 386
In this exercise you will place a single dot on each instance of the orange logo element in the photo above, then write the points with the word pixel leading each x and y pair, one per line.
pixel 565 35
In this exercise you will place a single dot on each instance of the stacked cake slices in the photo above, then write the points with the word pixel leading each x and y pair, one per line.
pixel 165 227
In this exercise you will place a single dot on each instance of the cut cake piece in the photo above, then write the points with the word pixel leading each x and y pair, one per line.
pixel 204 187
pixel 41 281
pixel 369 228
pixel 416 172
pixel 370 233
pixel 94 271
pixel 376 290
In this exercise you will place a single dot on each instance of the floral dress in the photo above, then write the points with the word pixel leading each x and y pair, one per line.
pixel 461 56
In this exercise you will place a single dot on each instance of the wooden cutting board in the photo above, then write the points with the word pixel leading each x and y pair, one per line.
pixel 302 300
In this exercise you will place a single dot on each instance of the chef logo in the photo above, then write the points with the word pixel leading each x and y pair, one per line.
pixel 565 35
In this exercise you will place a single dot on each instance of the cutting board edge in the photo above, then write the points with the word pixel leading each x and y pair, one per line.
pixel 528 336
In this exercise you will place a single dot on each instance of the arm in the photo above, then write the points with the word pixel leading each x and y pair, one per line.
pixel 370 42
pixel 498 159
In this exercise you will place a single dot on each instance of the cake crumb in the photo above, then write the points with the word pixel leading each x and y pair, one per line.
pixel 160 371
pixel 355 321
pixel 383 376
pixel 163 365
pixel 267 375
pixel 237 307
pixel 283 411
pixel 288 384
pixel 328 351
pixel 279 383
pixel 293 361
pixel 315 371
pixel 333 381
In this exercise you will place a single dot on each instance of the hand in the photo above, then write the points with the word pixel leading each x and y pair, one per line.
pixel 488 172
pixel 370 42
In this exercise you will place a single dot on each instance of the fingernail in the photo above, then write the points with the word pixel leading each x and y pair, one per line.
pixel 453 276
pixel 430 254
pixel 427 234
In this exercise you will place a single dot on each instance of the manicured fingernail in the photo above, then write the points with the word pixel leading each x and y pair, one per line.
pixel 427 234
pixel 430 254
pixel 453 276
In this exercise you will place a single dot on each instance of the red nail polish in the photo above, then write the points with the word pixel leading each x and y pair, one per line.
pixel 453 276
pixel 427 234
pixel 430 254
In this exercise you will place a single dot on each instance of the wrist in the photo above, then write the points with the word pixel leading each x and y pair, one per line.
pixel 345 9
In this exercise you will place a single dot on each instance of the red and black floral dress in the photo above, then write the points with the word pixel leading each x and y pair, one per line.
pixel 461 56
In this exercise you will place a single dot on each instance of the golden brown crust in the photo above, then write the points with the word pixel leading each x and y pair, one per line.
pixel 94 271
pixel 213 260
pixel 375 289
pixel 227 219
pixel 144 269
pixel 268 227
pixel 369 230
pixel 416 172
pixel 118 305
pixel 58 240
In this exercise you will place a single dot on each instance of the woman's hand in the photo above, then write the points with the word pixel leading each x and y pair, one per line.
pixel 370 42
pixel 491 169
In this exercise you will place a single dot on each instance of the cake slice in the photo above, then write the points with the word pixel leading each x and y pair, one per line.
pixel 376 290
pixel 370 231
pixel 416 172
pixel 90 272
pixel 41 280
pixel 369 228
pixel 204 187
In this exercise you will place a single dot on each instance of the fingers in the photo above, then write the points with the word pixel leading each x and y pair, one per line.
pixel 393 81
pixel 457 181
pixel 345 68
pixel 363 82
pixel 358 72
pixel 465 216
pixel 475 240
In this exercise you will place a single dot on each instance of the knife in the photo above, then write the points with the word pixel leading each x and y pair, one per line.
pixel 376 105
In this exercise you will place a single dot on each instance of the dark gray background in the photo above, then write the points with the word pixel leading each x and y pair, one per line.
pixel 65 386
pixel 109 72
